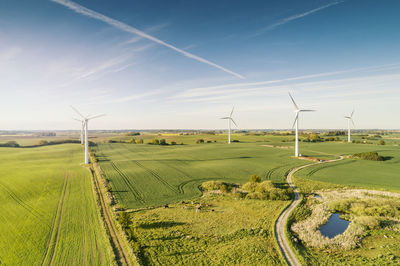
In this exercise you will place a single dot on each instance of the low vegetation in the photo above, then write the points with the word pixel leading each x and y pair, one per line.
pixel 370 156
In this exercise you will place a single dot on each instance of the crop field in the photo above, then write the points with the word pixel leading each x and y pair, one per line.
pixel 228 232
pixel 361 173
pixel 152 175
pixel 48 208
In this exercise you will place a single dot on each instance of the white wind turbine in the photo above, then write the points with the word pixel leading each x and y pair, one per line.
pixel 230 120
pixel 349 118
pixel 297 111
pixel 82 128
pixel 85 124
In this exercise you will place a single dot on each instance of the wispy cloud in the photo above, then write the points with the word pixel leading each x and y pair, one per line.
pixel 249 86
pixel 124 27
pixel 294 17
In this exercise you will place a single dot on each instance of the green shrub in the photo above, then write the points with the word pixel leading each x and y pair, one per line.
pixel 371 156
pixel 224 188
pixel 163 142
pixel 155 142
pixel 132 140
pixel 199 141
pixel 211 185
pixel 368 221
pixel 139 141
pixel 381 142
pixel 250 186
pixel 124 220
pixel 255 178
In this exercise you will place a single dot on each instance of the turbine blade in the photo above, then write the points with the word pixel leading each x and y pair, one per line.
pixel 294 103
pixel 225 118
pixel 304 110
pixel 294 123
pixel 348 117
pixel 73 108
pixel 96 116
pixel 352 122
pixel 232 111
pixel 77 119
pixel 352 113
pixel 234 122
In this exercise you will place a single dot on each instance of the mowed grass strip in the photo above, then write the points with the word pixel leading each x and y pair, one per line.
pixel 150 175
pixel 48 209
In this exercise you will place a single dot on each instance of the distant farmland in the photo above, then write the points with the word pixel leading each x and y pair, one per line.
pixel 152 175
pixel 48 209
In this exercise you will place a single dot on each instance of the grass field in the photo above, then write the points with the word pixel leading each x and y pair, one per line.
pixel 48 209
pixel 237 232
pixel 360 173
pixel 152 175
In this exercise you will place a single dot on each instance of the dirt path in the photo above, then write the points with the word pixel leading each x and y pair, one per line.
pixel 282 220
pixel 56 227
pixel 120 254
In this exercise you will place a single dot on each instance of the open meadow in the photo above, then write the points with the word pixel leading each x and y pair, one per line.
pixel 49 214
pixel 152 175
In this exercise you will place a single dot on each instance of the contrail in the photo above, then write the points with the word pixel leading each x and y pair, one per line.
pixel 124 27
pixel 294 17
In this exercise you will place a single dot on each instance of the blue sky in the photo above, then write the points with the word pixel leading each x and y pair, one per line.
pixel 183 64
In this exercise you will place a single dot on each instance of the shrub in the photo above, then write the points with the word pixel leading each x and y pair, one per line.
pixel 255 178
pixel 368 221
pixel 124 220
pixel 155 142
pixel 163 142
pixel 139 141
pixel 211 185
pixel 255 195
pixel 235 140
pixel 371 156
pixel 381 142
pixel 250 186
pixel 199 141
pixel 10 144
pixel 132 140
pixel 43 142
pixel 224 188
pixel 173 143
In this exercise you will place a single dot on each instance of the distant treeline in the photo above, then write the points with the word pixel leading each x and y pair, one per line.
pixel 14 144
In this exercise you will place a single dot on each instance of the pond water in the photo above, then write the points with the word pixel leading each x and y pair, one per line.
pixel 335 226
pixel 317 196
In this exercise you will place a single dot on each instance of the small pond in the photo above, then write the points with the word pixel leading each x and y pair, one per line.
pixel 335 226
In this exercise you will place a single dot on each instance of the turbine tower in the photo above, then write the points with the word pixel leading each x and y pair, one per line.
pixel 230 120
pixel 297 111
pixel 85 124
pixel 82 128
pixel 349 118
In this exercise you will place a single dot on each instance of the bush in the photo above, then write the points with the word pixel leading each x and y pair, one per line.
pixel 370 222
pixel 10 144
pixel 255 195
pixel 163 142
pixel 155 142
pixel 255 178
pixel 381 142
pixel 224 188
pixel 139 141
pixel 211 185
pixel 371 156
pixel 43 142
pixel 199 141
pixel 132 140
pixel 173 143
pixel 235 140
pixel 124 220
pixel 250 186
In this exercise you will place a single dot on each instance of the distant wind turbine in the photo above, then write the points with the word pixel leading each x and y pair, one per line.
pixel 297 111
pixel 85 122
pixel 230 120
pixel 349 118
pixel 82 128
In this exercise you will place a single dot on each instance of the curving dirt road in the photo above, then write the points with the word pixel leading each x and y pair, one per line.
pixel 282 220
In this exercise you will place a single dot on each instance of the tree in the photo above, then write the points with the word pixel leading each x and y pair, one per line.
pixel 199 141
pixel 156 142
pixel 124 220
pixel 381 142
pixel 163 142
pixel 139 141
pixel 255 178
pixel 133 141
pixel 314 137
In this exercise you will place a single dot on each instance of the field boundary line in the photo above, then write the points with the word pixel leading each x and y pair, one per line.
pixel 120 252
pixel 281 222
pixel 55 228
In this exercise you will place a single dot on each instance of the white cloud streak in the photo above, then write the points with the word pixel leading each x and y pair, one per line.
pixel 294 17
pixel 124 27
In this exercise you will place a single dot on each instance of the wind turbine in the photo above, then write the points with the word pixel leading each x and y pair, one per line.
pixel 349 118
pixel 82 129
pixel 297 111
pixel 85 123
pixel 230 120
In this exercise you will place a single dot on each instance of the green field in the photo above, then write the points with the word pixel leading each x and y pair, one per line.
pixel 151 175
pixel 48 208
pixel 237 232
pixel 360 173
